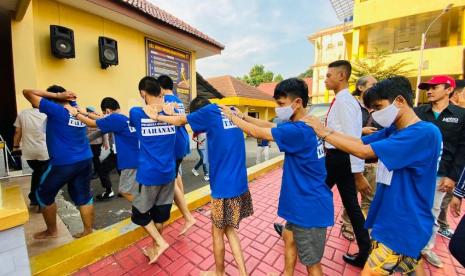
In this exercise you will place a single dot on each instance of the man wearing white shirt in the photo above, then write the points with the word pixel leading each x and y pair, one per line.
pixel 30 139
pixel 344 170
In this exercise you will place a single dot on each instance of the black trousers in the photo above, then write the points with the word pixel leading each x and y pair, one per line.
pixel 457 242
pixel 38 168
pixel 103 168
pixel 96 150
pixel 339 173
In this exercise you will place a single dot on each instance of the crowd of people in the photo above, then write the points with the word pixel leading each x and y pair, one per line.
pixel 407 162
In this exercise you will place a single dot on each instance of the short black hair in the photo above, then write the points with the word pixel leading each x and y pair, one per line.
pixel 55 89
pixel 198 103
pixel 150 85
pixel 343 64
pixel 109 103
pixel 166 82
pixel 459 84
pixel 293 88
pixel 389 89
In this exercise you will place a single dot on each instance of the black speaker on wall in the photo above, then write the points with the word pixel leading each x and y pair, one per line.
pixel 62 42
pixel 107 51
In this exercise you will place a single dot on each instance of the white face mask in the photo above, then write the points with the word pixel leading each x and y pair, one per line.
pixel 386 116
pixel 284 113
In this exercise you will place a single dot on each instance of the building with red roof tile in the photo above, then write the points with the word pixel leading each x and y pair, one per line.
pixel 57 42
pixel 97 49
pixel 268 87
pixel 247 98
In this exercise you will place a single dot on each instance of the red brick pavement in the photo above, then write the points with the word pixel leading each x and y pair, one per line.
pixel 263 250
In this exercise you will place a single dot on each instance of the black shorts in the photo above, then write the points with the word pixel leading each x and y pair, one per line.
pixel 77 176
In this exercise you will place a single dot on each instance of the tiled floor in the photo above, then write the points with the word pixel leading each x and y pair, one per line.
pixel 263 250
pixel 36 222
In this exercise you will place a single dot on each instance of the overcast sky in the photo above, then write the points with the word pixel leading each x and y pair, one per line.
pixel 269 32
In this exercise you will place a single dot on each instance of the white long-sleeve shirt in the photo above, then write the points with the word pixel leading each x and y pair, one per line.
pixel 345 116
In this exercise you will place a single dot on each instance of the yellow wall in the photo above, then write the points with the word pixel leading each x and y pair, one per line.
pixel 445 60
pixel 264 113
pixel 382 13
pixel 35 67
pixel 329 46
pixel 372 11
pixel 264 108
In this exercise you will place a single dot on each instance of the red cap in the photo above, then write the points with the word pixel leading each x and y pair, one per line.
pixel 437 80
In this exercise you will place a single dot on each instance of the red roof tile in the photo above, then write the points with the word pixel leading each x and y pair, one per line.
pixel 230 86
pixel 163 17
pixel 268 87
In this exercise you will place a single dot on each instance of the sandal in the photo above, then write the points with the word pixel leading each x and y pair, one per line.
pixel 347 233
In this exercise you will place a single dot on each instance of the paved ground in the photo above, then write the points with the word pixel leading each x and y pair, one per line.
pixel 263 250
pixel 117 209
pixel 106 213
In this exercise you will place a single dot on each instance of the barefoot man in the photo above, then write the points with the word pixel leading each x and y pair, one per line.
pixel 156 170
pixel 70 159
pixel 231 199
pixel 181 149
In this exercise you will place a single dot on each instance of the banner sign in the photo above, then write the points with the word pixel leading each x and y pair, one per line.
pixel 164 60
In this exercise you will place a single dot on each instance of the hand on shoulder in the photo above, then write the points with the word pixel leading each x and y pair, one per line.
pixel 72 110
pixel 151 111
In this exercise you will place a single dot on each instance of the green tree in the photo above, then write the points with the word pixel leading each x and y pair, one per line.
pixel 375 64
pixel 278 78
pixel 258 75
pixel 306 74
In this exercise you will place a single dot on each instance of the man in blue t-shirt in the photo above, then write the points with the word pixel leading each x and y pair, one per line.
pixel 70 159
pixel 181 149
pixel 305 201
pixel 409 151
pixel 151 206
pixel 126 143
pixel 231 199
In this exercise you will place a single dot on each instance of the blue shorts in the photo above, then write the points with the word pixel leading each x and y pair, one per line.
pixel 77 176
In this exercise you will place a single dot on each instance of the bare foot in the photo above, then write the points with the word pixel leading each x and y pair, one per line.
pixel 45 235
pixel 210 273
pixel 150 252
pixel 82 234
pixel 161 248
pixel 187 225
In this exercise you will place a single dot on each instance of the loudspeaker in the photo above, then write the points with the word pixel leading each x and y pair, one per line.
pixel 62 42
pixel 107 51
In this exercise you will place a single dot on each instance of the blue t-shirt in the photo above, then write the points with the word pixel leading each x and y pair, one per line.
pixel 156 149
pixel 305 199
pixel 400 214
pixel 226 151
pixel 66 136
pixel 182 138
pixel 127 144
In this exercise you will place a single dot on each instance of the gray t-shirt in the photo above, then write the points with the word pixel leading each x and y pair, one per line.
pixel 33 143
